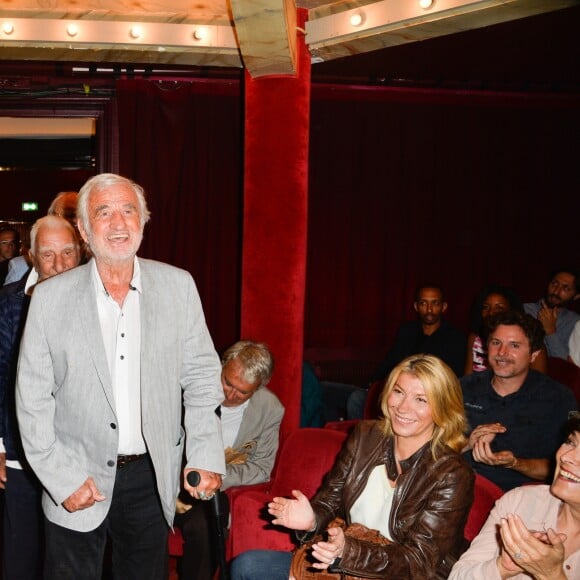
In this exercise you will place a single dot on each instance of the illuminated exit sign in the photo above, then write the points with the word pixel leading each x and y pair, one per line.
pixel 29 206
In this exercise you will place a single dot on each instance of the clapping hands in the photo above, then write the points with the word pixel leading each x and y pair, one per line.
pixel 540 554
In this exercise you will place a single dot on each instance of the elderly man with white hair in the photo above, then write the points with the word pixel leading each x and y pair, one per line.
pixel 54 249
pixel 110 355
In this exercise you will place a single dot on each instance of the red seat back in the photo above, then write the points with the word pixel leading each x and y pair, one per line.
pixel 305 458
pixel 485 495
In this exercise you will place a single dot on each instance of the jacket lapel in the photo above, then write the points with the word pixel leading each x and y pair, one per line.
pixel 89 318
pixel 149 325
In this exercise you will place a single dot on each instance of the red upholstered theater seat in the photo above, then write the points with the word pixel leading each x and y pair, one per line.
pixel 305 458
pixel 485 496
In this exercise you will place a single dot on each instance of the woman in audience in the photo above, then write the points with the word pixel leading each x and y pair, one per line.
pixel 539 527
pixel 402 475
pixel 491 300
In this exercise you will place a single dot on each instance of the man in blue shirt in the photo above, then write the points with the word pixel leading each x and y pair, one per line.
pixel 516 414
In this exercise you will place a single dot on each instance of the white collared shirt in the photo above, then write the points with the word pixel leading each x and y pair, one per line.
pixel 231 421
pixel 121 330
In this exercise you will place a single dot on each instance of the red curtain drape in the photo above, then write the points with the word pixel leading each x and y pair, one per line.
pixel 460 188
pixel 182 141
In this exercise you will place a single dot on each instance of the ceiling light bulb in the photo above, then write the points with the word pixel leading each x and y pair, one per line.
pixel 356 19
pixel 200 33
pixel 425 4
pixel 136 32
pixel 8 28
pixel 72 29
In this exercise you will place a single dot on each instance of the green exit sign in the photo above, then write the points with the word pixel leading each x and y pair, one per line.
pixel 29 206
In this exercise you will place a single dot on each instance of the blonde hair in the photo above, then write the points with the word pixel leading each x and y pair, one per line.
pixel 443 394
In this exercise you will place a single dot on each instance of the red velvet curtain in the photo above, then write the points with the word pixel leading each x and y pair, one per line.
pixel 182 141
pixel 458 187
pixel 407 186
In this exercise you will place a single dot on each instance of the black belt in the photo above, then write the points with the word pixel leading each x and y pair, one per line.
pixel 122 460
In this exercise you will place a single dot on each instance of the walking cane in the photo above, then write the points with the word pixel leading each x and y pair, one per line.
pixel 193 478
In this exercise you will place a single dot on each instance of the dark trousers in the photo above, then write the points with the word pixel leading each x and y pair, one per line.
pixel 23 537
pixel 199 530
pixel 136 528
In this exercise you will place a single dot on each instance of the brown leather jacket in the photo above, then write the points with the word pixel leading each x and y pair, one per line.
pixel 430 506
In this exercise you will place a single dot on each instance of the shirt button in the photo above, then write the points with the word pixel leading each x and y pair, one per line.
pixel 113 426
pixel 111 463
pixel 122 357
pixel 122 335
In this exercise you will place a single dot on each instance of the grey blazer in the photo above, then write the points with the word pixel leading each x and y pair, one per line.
pixel 64 396
pixel 258 435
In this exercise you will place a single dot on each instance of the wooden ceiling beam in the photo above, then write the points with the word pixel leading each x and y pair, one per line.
pixel 267 35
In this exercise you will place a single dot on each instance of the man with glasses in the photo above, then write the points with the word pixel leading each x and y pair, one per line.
pixel 250 417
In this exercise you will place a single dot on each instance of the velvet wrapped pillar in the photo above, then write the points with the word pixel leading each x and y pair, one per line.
pixel 275 222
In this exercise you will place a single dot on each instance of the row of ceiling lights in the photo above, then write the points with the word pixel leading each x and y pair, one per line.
pixel 357 18
pixel 199 33
pixel 135 32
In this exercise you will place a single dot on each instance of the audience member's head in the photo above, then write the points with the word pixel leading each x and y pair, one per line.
pixel 443 396
pixel 492 299
pixel 9 243
pixel 430 304
pixel 246 366
pixel 64 205
pixel 515 340
pixel 54 246
pixel 563 287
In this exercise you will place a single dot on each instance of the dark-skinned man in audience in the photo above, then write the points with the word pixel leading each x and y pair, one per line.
pixel 552 310
pixel 429 334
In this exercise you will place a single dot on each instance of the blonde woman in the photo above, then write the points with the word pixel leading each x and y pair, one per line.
pixel 402 475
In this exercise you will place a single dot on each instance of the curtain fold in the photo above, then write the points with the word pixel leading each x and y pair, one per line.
pixel 405 186
pixel 182 141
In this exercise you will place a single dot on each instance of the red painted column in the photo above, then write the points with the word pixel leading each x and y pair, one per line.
pixel 275 222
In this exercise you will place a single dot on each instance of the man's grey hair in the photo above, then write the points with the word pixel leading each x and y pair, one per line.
pixel 256 360
pixel 52 222
pixel 103 181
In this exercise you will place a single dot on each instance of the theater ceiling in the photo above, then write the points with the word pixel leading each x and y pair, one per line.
pixel 259 35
